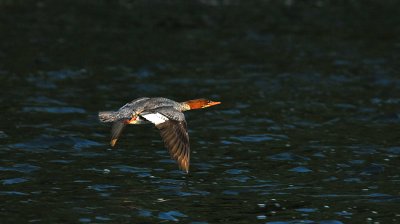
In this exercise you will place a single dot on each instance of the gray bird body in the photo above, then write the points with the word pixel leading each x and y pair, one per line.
pixel 167 115
pixel 139 105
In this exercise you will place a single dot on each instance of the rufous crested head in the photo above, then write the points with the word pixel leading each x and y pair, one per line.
pixel 201 103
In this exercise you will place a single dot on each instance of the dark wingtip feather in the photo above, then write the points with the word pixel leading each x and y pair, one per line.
pixel 116 131
pixel 176 140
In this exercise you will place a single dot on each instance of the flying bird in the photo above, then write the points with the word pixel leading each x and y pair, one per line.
pixel 167 115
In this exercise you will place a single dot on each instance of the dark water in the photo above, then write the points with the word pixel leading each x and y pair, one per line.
pixel 308 131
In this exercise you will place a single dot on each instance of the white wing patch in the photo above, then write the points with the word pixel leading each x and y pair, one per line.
pixel 155 118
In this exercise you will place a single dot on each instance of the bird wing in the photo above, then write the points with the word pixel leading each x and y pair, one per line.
pixel 116 131
pixel 173 130
pixel 129 109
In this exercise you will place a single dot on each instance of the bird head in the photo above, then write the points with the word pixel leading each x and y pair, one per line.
pixel 201 103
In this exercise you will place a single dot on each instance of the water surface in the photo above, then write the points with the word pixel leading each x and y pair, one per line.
pixel 307 132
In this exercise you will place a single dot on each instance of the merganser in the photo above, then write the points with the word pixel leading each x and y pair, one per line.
pixel 166 115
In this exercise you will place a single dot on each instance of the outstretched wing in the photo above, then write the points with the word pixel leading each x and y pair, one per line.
pixel 116 131
pixel 176 139
pixel 173 130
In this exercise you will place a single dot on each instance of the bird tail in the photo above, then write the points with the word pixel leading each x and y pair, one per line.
pixel 107 116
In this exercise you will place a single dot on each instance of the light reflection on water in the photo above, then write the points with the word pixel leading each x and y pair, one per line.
pixel 229 165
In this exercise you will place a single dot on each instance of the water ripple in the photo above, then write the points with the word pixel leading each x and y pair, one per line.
pixel 300 169
pixel 306 210
pixel 259 137
pixel 3 135
pixel 130 169
pixel 44 100
pixel 171 215
pixel 55 110
pixel 102 187
pixel 287 156
pixel 393 150
pixel 45 142
pixel 292 222
pixel 236 171
pixel 13 193
pixel 14 181
pixel 373 169
pixel 22 167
